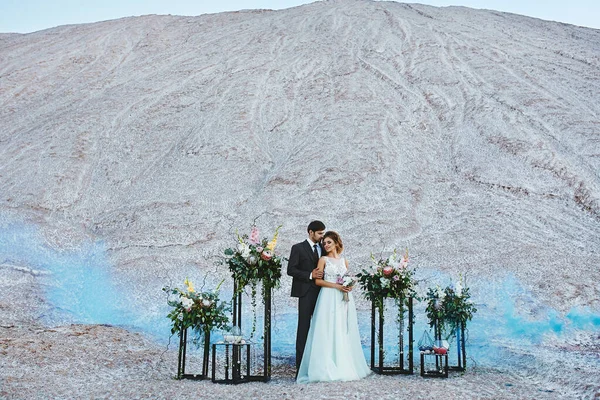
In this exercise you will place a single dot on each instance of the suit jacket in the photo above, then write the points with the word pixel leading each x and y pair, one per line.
pixel 301 263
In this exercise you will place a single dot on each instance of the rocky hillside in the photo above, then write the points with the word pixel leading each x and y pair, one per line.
pixel 469 136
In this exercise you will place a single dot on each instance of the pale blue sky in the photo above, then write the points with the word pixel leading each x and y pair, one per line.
pixel 25 16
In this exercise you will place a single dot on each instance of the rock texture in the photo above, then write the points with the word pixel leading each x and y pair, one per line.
pixel 469 136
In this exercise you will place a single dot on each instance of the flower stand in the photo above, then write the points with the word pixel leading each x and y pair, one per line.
pixel 234 358
pixel 461 355
pixel 441 359
pixel 239 349
pixel 181 370
pixel 378 364
pixel 441 365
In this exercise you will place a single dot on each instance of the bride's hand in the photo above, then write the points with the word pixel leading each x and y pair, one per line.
pixel 345 288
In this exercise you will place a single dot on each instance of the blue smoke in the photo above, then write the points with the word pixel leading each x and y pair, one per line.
pixel 82 288
pixel 78 283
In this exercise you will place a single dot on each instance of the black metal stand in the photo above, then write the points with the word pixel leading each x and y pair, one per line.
pixel 181 374
pixel 441 365
pixel 460 348
pixel 265 376
pixel 378 363
pixel 234 373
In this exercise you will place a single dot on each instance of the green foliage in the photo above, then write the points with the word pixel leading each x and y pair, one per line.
pixel 449 307
pixel 253 261
pixel 201 311
pixel 390 277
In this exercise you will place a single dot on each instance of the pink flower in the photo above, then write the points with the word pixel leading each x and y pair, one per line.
pixel 266 255
pixel 254 236
pixel 404 262
pixel 259 249
pixel 387 271
pixel 396 278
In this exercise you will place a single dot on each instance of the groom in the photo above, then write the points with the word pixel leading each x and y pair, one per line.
pixel 302 266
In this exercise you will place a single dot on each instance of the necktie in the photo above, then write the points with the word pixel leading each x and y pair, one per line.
pixel 316 251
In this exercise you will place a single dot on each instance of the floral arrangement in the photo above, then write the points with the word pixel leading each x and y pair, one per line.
pixel 254 260
pixel 449 306
pixel 201 311
pixel 388 277
pixel 346 280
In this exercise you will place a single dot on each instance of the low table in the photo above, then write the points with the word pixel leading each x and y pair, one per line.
pixel 441 365
pixel 232 355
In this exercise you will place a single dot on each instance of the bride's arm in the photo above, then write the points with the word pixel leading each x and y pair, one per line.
pixel 323 282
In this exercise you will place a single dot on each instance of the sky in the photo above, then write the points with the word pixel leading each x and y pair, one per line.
pixel 24 16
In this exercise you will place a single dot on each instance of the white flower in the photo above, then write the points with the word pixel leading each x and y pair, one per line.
pixel 187 303
pixel 252 260
pixel 440 292
pixel 384 282
pixel 458 289
pixel 374 269
pixel 392 259
pixel 206 303
pixel 349 281
pixel 244 250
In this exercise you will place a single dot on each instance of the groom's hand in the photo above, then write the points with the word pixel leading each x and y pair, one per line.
pixel 317 274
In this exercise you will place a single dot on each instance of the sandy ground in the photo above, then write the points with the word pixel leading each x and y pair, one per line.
pixel 93 361
pixel 96 361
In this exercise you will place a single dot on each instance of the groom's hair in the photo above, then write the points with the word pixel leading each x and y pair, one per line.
pixel 315 226
pixel 333 235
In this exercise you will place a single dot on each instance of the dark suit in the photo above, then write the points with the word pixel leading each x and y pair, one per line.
pixel 301 263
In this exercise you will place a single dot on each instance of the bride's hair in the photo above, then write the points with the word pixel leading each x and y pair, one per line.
pixel 336 239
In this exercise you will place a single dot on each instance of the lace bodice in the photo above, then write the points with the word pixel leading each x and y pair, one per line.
pixel 333 268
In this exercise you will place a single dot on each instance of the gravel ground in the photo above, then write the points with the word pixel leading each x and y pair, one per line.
pixel 98 361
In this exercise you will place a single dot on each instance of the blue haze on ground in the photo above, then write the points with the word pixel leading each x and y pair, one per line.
pixel 80 286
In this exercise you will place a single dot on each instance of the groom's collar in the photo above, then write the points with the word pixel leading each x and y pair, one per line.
pixel 312 243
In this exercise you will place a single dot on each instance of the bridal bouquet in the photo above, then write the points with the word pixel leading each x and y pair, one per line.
pixel 346 280
pixel 201 311
pixel 388 277
pixel 254 259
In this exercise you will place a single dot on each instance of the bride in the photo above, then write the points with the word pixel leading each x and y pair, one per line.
pixel 333 350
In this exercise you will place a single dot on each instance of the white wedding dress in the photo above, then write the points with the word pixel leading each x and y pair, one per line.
pixel 333 350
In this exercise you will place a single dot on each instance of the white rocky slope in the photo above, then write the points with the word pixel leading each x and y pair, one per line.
pixel 469 136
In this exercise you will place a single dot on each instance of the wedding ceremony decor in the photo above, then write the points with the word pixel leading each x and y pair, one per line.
pixel 441 364
pixel 390 278
pixel 200 311
pixel 448 311
pixel 253 261
pixel 232 347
